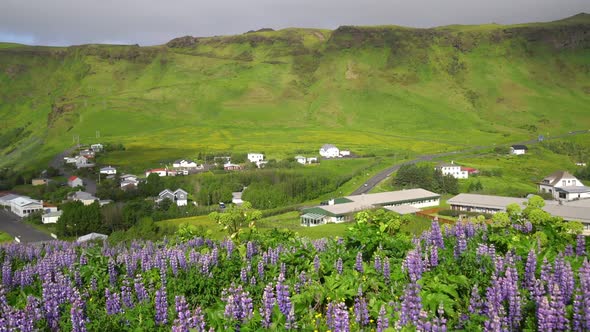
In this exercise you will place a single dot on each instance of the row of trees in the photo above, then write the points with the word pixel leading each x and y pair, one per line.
pixel 424 176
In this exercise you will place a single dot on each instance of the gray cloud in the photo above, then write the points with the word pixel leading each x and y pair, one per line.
pixel 149 22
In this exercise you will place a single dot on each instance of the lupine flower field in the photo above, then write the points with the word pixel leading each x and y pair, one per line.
pixel 524 271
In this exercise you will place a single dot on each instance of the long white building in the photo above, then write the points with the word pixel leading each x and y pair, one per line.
pixel 342 209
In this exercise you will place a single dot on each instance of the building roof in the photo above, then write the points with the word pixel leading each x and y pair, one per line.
pixel 53 214
pixel 574 190
pixel 568 212
pixel 181 190
pixel 24 201
pixel 403 209
pixel 72 178
pixel 153 170
pixel 82 195
pixel 328 146
pixel 125 176
pixel 8 197
pixel 108 168
pixel 313 216
pixel 91 237
pixel 390 197
pixel 519 147
pixel 555 177
pixel 299 157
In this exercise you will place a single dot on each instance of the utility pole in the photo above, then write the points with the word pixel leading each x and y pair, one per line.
pixel 98 134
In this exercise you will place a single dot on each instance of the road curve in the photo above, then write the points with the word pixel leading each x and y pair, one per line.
pixel 377 178
pixel 58 163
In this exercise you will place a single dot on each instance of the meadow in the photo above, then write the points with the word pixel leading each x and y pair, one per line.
pixel 373 90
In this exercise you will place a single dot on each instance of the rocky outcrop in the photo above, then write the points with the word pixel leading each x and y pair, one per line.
pixel 183 42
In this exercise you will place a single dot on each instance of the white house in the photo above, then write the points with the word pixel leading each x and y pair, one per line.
pixel 301 159
pixel 74 181
pixel 452 169
pixel 518 149
pixel 96 147
pixel 159 171
pixel 6 200
pixel 237 197
pixel 564 186
pixel 329 151
pixel 581 164
pixel 179 196
pixel 344 153
pixel 23 206
pixel 51 217
pixel 255 157
pixel 129 180
pixel 183 163
pixel 108 170
pixel 82 162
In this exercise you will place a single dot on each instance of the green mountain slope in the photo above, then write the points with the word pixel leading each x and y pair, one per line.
pixel 371 89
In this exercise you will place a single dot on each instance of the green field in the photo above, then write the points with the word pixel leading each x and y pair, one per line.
pixel 4 237
pixel 373 90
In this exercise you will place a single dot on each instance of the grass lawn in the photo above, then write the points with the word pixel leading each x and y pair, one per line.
pixel 290 221
pixel 4 237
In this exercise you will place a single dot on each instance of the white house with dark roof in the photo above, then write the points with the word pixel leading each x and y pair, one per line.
pixel 341 209
pixel 82 196
pixel 51 217
pixel 96 147
pixel 564 186
pixel 329 151
pixel 453 170
pixel 184 163
pixel 255 157
pixel 518 149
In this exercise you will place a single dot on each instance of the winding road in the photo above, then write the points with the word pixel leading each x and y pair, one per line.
pixel 377 178
pixel 58 163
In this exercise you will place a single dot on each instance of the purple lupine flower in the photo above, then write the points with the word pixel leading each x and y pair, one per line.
pixel 161 304
pixel 461 245
pixel 238 305
pixel 436 237
pixel 359 262
pixel 316 263
pixel 7 273
pixel 361 312
pixel 113 302
pixel 338 265
pixel 244 275
pixel 337 317
pixel 291 320
pixel 530 270
pixel 283 296
pixel 557 307
pixel 578 309
pixel 261 269
pixel 140 291
pixel 569 250
pixel 494 309
pixel 112 272
pixel 250 250
pixel 386 270
pixel 510 286
pixel 77 314
pixel 182 322
pixel 197 320
pixel 382 320
pixel 268 302
pixel 411 305
pixel 544 316
pixel 414 265
pixel 433 256
pixel 584 275
pixel 377 263
pixel 126 294
pixel 581 245
pixel 475 303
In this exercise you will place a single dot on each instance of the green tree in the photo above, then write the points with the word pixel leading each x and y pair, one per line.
pixel 78 219
pixel 235 218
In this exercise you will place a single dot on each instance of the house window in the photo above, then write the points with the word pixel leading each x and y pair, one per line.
pixel 563 183
pixel 574 183
pixel 563 195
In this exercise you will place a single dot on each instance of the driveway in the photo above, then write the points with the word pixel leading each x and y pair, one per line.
pixel 10 223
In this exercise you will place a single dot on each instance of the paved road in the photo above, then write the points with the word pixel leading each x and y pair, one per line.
pixel 376 179
pixel 58 163
pixel 10 223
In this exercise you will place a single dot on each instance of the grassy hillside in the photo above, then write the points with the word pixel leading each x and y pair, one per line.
pixel 371 89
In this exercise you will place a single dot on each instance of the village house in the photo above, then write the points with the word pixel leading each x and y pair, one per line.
pixel 23 206
pixel 453 170
pixel 82 162
pixel 74 181
pixel 255 157
pixel 108 170
pixel 183 163
pixel 232 167
pixel 88 154
pixel 303 160
pixel 329 151
pixel 518 149
pixel 564 186
pixel 179 196
pixel 82 196
pixel 96 147
pixel 160 172
pixel 342 209
pixel 51 217
pixel 39 182
pixel 581 164
pixel 344 153
pixel 569 211
pixel 128 181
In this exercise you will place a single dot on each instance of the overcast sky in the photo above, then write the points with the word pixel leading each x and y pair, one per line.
pixel 149 22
